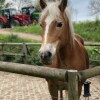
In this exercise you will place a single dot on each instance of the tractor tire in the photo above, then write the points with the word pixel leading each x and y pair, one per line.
pixel 26 23
pixel 1 24
pixel 35 22
pixel 14 23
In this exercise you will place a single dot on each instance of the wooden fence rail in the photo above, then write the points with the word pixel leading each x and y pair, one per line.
pixel 37 71
pixel 25 51
pixel 89 73
pixel 38 44
pixel 72 76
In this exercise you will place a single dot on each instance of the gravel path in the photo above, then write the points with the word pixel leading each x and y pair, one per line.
pixel 20 87
pixel 22 35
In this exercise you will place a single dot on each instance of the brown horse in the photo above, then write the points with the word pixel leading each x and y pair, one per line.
pixel 61 48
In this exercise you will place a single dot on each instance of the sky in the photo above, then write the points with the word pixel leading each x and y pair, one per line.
pixel 81 7
pixel 82 10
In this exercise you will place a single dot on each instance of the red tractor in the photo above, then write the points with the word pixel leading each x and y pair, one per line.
pixel 9 18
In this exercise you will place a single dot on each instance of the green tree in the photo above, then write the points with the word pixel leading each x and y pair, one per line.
pixel 22 3
pixel 94 7
pixel 3 4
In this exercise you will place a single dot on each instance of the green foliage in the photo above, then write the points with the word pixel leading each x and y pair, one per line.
pixel 32 58
pixel 36 14
pixel 13 38
pixel 94 55
pixel 3 4
pixel 33 29
pixel 89 30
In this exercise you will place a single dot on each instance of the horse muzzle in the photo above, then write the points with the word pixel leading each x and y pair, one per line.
pixel 46 57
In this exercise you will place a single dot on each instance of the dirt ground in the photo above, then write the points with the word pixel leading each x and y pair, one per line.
pixel 21 87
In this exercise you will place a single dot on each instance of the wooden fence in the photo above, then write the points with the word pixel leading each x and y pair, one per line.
pixel 71 76
pixel 25 49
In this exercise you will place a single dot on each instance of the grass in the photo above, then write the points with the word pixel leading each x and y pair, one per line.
pixel 94 55
pixel 33 29
pixel 33 50
pixel 89 30
pixel 15 39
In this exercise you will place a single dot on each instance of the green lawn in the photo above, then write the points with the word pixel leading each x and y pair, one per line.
pixel 33 50
pixel 33 29
pixel 15 39
pixel 89 30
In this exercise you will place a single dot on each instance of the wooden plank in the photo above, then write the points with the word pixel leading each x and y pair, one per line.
pixel 11 54
pixel 25 53
pixel 2 52
pixel 92 44
pixel 89 73
pixel 73 85
pixel 36 71
pixel 39 44
pixel 20 44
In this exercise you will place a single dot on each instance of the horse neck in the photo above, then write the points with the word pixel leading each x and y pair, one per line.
pixel 66 51
pixel 63 55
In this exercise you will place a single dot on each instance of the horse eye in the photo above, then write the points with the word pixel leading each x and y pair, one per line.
pixel 59 24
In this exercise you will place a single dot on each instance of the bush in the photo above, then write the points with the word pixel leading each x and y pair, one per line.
pixel 89 30
pixel 31 59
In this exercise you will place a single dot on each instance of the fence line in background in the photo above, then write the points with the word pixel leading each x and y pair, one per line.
pixel 38 44
pixel 25 50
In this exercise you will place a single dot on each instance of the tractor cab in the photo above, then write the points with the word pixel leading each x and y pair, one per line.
pixel 8 13
pixel 11 18
pixel 32 12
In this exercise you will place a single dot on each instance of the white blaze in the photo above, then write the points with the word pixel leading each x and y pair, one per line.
pixel 48 46
pixel 48 21
pixel 53 13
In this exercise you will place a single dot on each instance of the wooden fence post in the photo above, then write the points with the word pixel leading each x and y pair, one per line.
pixel 73 85
pixel 25 53
pixel 2 53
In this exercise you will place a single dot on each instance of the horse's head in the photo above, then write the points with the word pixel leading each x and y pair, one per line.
pixel 55 26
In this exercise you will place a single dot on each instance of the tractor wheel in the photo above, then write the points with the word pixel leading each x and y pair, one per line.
pixel 1 24
pixel 35 22
pixel 26 23
pixel 14 23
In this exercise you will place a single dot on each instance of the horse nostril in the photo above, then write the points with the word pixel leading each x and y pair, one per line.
pixel 45 55
pixel 49 54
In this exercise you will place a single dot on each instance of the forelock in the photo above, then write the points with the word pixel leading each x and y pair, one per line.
pixel 51 10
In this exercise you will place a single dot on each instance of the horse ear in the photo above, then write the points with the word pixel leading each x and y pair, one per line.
pixel 43 4
pixel 63 5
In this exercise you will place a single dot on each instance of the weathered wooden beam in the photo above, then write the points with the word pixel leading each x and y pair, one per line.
pixel 73 85
pixel 89 73
pixel 20 44
pixel 36 71
pixel 11 54
pixel 92 44
pixel 38 44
